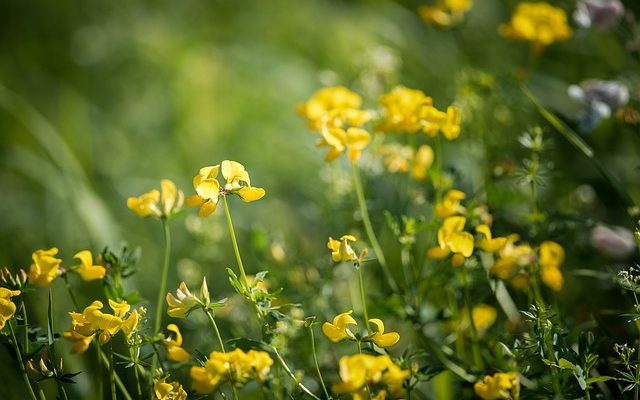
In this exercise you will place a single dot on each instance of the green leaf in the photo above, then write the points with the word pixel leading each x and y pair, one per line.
pixel 596 379
pixel 566 364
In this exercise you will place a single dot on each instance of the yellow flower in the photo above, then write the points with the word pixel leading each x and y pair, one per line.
pixel 90 322
pixel 553 278
pixel 538 23
pixel 358 371
pixel 512 258
pixel 7 307
pixel 402 159
pixel 159 204
pixel 81 342
pixel 236 367
pixel 445 12
pixel 451 204
pixel 450 127
pixel 86 269
pixel 208 189
pixel 175 352
pixel 489 243
pixel 403 110
pixel 502 385
pixel 483 316
pixel 453 239
pixel 44 268
pixel 422 162
pixel 550 259
pixel 131 323
pixel 339 329
pixel 325 101
pixel 353 140
pixel 380 338
pixel 341 249
pixel 182 303
pixel 168 390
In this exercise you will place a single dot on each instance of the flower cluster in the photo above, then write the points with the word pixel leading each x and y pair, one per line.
pixel 445 13
pixel 45 267
pixel 405 159
pixel 158 204
pixel 538 23
pixel 339 330
pixel 164 390
pixel 362 372
pixel 92 321
pixel 235 367
pixel 501 385
pixel 7 307
pixel 208 189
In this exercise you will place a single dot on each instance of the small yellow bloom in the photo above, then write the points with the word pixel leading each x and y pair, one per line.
pixel 175 352
pixel 403 110
pixel 512 258
pixel 550 259
pixel 182 303
pixel 422 162
pixel 380 338
pixel 7 307
pixel 352 139
pixel 501 385
pixel 90 322
pixel 403 159
pixel 552 277
pixel 483 316
pixel 489 243
pixel 339 329
pixel 328 100
pixel 81 342
pixel 44 268
pixel 341 249
pixel 360 370
pixel 164 390
pixel 451 204
pixel 159 204
pixel 450 127
pixel 445 13
pixel 86 269
pixel 538 23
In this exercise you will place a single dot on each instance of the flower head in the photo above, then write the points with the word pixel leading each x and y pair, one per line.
pixel 341 249
pixel 175 352
pixel 450 204
pixel 445 13
pixel 164 390
pixel 44 268
pixel 538 23
pixel 453 239
pixel 339 329
pixel 158 204
pixel 483 316
pixel 404 159
pixel 501 385
pixel 86 269
pixel 489 243
pixel 352 140
pixel 380 338
pixel 7 307
pixel 328 102
pixel 182 303
pixel 362 370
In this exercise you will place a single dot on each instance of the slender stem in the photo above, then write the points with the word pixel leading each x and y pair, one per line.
pixel 475 347
pixel 112 380
pixel 214 326
pixel 41 394
pixel 73 296
pixel 315 361
pixel 25 377
pixel 105 361
pixel 163 279
pixel 234 242
pixel 133 352
pixel 369 229
pixel 363 298
pixel 25 321
pixel 292 375
pixel 63 392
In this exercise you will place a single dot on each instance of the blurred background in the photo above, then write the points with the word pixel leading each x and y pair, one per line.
pixel 100 100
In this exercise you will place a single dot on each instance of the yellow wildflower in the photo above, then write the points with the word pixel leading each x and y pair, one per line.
pixel 489 243
pixel 164 390
pixel 445 12
pixel 86 269
pixel 380 338
pixel 351 139
pixel 360 370
pixel 236 367
pixel 175 352
pixel 501 385
pixel 403 159
pixel 451 204
pixel 453 239
pixel 339 329
pixel 450 127
pixel 483 316
pixel 341 249
pixel 159 204
pixel 512 259
pixel 422 162
pixel 208 189
pixel 44 268
pixel 328 100
pixel 403 110
pixel 538 23
pixel 7 307
pixel 182 303
pixel 550 260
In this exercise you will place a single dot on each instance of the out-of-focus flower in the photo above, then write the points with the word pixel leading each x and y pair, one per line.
pixel 208 189
pixel 501 385
pixel 539 23
pixel 44 268
pixel 616 242
pixel 328 100
pixel 602 14
pixel 600 99
pixel 235 367
pixel 551 256
pixel 483 316
pixel 175 352
pixel 380 338
pixel 489 243
pixel 445 13
pixel 7 307
pixel 403 159
pixel 164 390
pixel 341 249
pixel 351 139
pixel 159 204
pixel 511 261
pixel 339 329
pixel 450 204
pixel 362 370
pixel 86 269
pixel 453 239
pixel 450 126
pixel 182 303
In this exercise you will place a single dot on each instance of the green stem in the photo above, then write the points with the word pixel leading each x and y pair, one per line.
pixel 163 279
pixel 369 230
pixel 25 322
pixel 315 361
pixel 25 377
pixel 112 380
pixel 134 357
pixel 63 392
pixel 292 375
pixel 475 346
pixel 105 361
pixel 214 326
pixel 363 300
pixel 234 242
pixel 73 296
